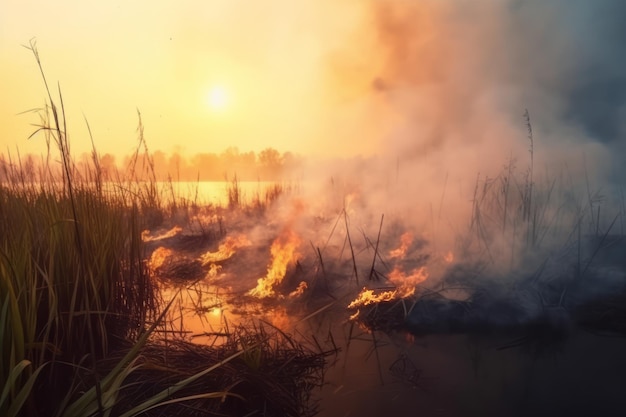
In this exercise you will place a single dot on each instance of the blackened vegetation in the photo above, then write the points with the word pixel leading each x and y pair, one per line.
pixel 274 376
pixel 521 318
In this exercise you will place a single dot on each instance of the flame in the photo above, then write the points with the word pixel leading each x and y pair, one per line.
pixel 299 291
pixel 213 271
pixel 449 258
pixel 145 235
pixel 406 283
pixel 159 257
pixel 225 250
pixel 405 288
pixel 367 297
pixel 283 252
pixel 355 315
pixel 405 241
pixel 203 218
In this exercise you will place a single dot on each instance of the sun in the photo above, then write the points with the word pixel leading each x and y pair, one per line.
pixel 218 98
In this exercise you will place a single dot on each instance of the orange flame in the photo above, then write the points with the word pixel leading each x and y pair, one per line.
pixel 405 241
pixel 299 291
pixel 354 316
pixel 405 287
pixel 225 250
pixel 406 283
pixel 213 271
pixel 283 253
pixel 367 297
pixel 145 235
pixel 159 257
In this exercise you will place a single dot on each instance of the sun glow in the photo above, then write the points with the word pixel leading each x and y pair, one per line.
pixel 218 98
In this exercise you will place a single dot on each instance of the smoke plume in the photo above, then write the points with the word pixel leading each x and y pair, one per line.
pixel 453 103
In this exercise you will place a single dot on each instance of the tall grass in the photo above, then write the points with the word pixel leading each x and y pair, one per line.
pixel 72 278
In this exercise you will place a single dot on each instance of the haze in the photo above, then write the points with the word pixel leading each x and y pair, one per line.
pixel 445 79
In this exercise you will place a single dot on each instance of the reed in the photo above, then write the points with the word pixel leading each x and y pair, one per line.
pixel 72 278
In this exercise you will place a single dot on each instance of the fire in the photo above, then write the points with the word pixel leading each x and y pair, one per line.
pixel 225 250
pixel 405 241
pixel 283 252
pixel 213 271
pixel 449 258
pixel 367 297
pixel 406 283
pixel 299 291
pixel 159 257
pixel 405 287
pixel 145 235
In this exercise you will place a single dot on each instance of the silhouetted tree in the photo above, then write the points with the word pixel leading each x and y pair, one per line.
pixel 270 163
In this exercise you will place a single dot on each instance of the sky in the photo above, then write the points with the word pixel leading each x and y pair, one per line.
pixel 445 79
pixel 163 59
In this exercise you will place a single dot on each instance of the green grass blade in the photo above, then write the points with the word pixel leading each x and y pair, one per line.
pixel 143 407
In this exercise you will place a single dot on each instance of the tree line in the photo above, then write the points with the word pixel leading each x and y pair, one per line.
pixel 268 165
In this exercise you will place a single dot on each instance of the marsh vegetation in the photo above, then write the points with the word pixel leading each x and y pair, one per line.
pixel 122 295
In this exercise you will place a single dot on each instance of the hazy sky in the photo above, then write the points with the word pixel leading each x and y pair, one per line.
pixel 164 58
pixel 328 77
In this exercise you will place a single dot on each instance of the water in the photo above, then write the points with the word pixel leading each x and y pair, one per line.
pixel 378 373
pixel 217 192
pixel 465 375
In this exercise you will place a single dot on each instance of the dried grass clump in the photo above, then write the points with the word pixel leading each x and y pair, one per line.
pixel 270 375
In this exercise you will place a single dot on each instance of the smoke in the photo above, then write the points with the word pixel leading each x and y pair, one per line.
pixel 456 77
pixel 458 108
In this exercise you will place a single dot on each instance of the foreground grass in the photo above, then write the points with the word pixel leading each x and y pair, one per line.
pixel 79 309
pixel 72 282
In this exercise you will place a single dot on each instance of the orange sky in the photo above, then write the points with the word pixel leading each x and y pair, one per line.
pixel 273 58
pixel 427 83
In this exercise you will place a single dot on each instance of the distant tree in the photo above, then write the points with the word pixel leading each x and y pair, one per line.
pixel 230 160
pixel 160 164
pixel 207 165
pixel 108 167
pixel 270 163
pixel 179 169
